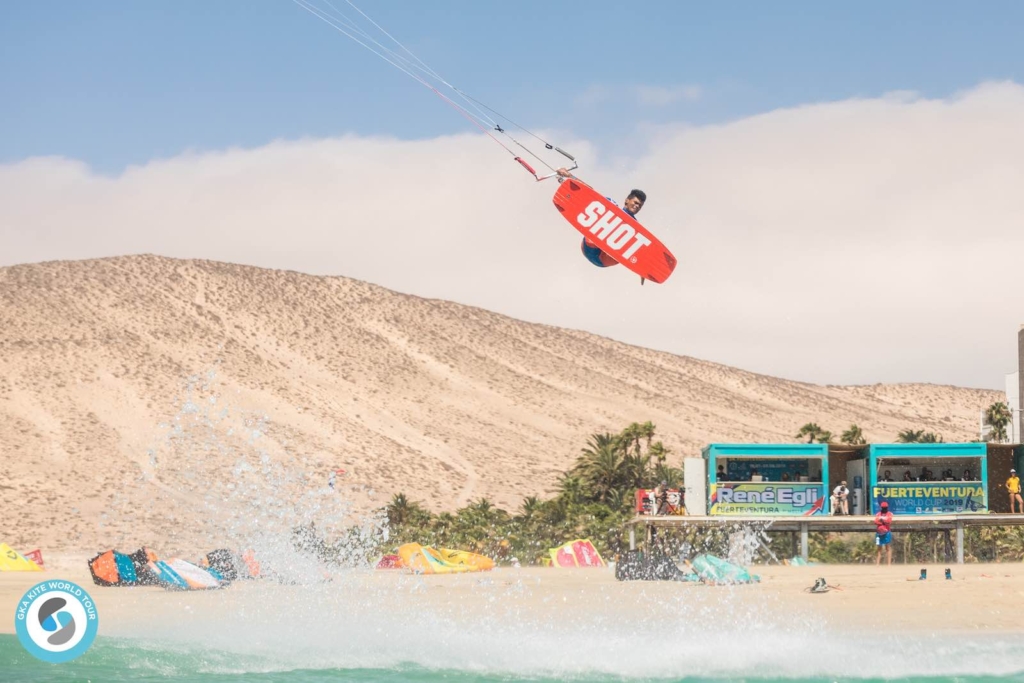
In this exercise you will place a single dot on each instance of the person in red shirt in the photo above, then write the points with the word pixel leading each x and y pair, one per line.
pixel 883 533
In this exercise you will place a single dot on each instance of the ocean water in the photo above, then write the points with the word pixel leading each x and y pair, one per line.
pixel 114 660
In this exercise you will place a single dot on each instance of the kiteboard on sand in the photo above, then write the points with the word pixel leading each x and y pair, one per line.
pixel 614 231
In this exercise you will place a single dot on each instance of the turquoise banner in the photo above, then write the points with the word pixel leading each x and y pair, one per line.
pixel 930 498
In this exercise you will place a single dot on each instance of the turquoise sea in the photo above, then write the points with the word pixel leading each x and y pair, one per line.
pixel 115 660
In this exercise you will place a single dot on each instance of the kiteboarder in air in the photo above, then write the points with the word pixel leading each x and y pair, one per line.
pixel 634 202
pixel 611 233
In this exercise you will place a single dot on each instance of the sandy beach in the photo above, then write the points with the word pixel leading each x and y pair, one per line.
pixel 979 598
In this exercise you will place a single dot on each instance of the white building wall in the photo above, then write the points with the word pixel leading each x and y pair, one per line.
pixel 1013 401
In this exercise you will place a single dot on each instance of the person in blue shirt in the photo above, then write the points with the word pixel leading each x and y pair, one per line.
pixel 634 202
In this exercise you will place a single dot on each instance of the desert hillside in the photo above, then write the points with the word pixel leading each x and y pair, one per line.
pixel 149 398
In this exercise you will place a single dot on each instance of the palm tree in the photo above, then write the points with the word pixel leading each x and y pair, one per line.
pixel 814 433
pixel 647 432
pixel 998 415
pixel 401 510
pixel 638 463
pixel 445 519
pixel 639 468
pixel 598 441
pixel 570 488
pixel 930 437
pixel 998 433
pixel 853 436
pixel 658 451
pixel 530 506
pixel 910 436
pixel 618 499
pixel 483 506
pixel 631 436
pixel 604 470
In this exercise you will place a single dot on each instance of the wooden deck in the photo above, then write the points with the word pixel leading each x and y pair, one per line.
pixel 805 525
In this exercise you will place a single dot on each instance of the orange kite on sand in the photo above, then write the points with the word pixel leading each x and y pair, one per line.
pixel 423 559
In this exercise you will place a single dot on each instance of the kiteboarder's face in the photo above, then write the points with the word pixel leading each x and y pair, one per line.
pixel 633 204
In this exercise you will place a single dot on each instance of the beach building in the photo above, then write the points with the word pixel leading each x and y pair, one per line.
pixel 797 479
pixel 1020 384
pixel 929 478
pixel 952 486
pixel 767 479
pixel 1013 402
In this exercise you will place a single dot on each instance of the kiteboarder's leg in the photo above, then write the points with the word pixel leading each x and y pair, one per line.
pixel 594 254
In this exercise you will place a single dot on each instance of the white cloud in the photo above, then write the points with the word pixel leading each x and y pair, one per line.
pixel 645 95
pixel 854 241
pixel 593 95
pixel 661 96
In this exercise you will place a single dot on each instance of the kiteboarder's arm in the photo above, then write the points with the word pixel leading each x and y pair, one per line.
pixel 561 174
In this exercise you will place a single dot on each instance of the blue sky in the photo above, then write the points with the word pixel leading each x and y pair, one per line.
pixel 121 83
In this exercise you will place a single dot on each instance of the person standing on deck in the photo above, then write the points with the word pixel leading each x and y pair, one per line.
pixel 1013 488
pixel 883 533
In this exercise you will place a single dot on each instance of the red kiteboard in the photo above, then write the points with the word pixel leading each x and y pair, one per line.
pixel 614 231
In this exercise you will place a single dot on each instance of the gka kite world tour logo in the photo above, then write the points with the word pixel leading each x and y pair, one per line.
pixel 56 621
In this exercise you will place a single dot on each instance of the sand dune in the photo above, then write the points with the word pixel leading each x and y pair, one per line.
pixel 148 398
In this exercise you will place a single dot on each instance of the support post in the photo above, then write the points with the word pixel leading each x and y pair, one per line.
pixel 803 541
pixel 959 541
pixel 632 537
